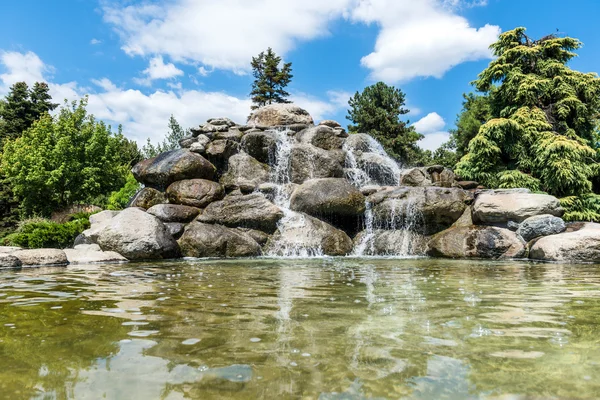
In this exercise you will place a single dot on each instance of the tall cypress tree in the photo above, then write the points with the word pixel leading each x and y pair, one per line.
pixel 270 80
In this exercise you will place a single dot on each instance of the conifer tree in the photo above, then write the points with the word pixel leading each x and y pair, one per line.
pixel 171 141
pixel 543 116
pixel 270 80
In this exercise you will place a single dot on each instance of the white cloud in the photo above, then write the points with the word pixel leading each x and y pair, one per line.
pixel 204 71
pixel 322 109
pixel 157 69
pixel 95 41
pixel 431 126
pixel 27 67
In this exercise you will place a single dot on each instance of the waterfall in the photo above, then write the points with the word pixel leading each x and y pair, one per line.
pixel 370 165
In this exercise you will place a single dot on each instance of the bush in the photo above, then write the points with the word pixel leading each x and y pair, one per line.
pixel 120 199
pixel 38 233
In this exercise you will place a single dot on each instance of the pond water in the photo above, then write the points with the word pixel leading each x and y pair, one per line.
pixel 301 329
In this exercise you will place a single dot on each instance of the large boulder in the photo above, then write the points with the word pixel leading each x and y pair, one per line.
pixel 175 165
pixel 103 216
pixel 280 114
pixel 195 192
pixel 359 142
pixel 260 145
pixel 137 235
pixel 206 240
pixel 331 199
pixel 541 225
pixel 320 136
pixel 309 162
pixel 219 151
pixel 426 210
pixel 9 261
pixel 92 254
pixel 442 176
pixel 389 243
pixel 380 169
pixel 245 172
pixel 582 245
pixel 148 197
pixel 499 207
pixel 174 212
pixel 303 235
pixel 41 257
pixel 232 134
pixel 477 241
pixel 415 177
pixel 252 211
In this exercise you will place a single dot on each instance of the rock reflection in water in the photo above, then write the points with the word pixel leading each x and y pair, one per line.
pixel 326 328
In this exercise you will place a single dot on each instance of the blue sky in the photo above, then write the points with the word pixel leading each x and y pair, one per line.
pixel 141 61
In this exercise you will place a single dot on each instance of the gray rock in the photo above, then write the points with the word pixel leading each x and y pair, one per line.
pixel 332 199
pixel 330 123
pixel 426 210
pixel 444 178
pixel 582 245
pixel 379 169
pixel 252 211
pixel 221 121
pixel 159 172
pixel 305 235
pixel 389 243
pixel 103 216
pixel 40 257
pixel 309 162
pixel 320 136
pixel 359 142
pixel 210 129
pixel 148 197
pixel 195 192
pixel 137 235
pixel 218 153
pixel 259 236
pixel 468 184
pixel 340 132
pixel 187 141
pixel 92 254
pixel 477 241
pixel 205 240
pixel 175 228
pixel 9 261
pixel 415 177
pixel 9 249
pixel 500 207
pixel 245 172
pixel 260 145
pixel 541 225
pixel 233 134
pixel 512 225
pixel 174 212
pixel 280 114
pixel 198 148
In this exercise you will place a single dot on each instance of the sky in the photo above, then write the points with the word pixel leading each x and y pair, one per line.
pixel 141 61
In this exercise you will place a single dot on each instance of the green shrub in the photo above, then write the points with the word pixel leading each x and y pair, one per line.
pixel 581 208
pixel 37 233
pixel 120 199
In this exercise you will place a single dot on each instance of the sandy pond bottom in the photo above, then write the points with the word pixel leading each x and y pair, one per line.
pixel 301 329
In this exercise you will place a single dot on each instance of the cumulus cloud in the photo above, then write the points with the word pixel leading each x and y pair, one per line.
pixel 21 67
pixel 95 41
pixel 157 69
pixel 416 38
pixel 321 109
pixel 432 126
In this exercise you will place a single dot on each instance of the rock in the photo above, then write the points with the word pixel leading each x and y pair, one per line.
pixel 280 114
pixel 219 151
pixel 309 162
pixel 205 240
pixel 82 239
pixel 477 241
pixel 541 225
pixel 9 261
pixel 148 197
pixel 252 211
pixel 40 257
pixel 198 148
pixel 582 245
pixel 272 190
pixel 359 142
pixel 245 172
pixel 332 199
pixel 305 235
pixel 414 177
pixel 426 210
pixel 259 236
pixel 221 121
pixel 443 178
pixel 209 129
pixel 195 192
pixel 260 145
pixel 137 235
pixel 103 216
pixel 187 141
pixel 9 249
pixel 379 169
pixel 500 207
pixel 175 228
pixel 175 165
pixel 512 225
pixel 92 254
pixel 320 136
pixel 389 243
pixel 340 132
pixel 466 219
pixel 233 134
pixel 467 185
pixel 330 123
pixel 370 189
pixel 174 212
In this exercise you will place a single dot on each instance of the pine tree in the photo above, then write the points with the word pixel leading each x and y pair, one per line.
pixel 41 100
pixel 376 111
pixel 543 118
pixel 171 141
pixel 270 81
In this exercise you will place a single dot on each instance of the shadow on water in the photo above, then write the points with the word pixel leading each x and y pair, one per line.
pixel 324 328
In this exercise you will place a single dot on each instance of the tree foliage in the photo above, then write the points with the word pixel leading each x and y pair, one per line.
pixel 63 160
pixel 377 111
pixel 170 142
pixel 270 80
pixel 542 118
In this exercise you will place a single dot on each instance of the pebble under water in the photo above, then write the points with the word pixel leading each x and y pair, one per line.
pixel 322 328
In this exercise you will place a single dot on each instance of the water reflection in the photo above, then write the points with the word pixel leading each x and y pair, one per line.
pixel 327 328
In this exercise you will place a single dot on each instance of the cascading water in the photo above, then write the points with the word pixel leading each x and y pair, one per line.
pixel 359 168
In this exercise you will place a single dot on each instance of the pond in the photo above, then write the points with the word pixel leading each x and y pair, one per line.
pixel 328 328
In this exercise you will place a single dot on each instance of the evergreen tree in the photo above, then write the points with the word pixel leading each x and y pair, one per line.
pixel 376 111
pixel 270 81
pixel 171 141
pixel 543 118
pixel 476 111
pixel 41 100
